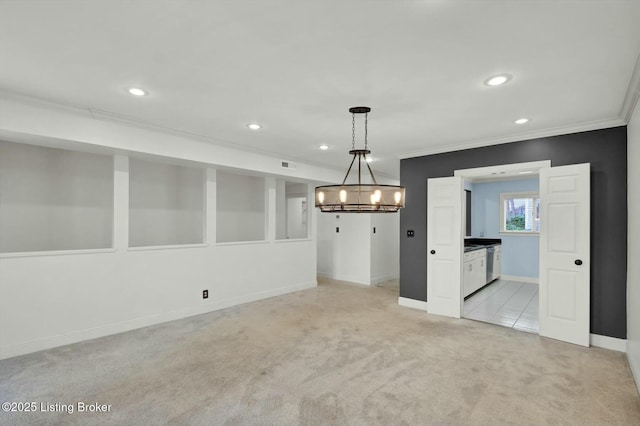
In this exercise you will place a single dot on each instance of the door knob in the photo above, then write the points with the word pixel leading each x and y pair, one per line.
pixel 433 252
pixel 578 262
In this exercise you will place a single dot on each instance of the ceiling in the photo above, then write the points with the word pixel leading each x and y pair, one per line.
pixel 296 66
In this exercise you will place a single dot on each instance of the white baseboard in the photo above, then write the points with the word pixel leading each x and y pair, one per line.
pixel 384 278
pixel 633 357
pixel 532 280
pixel 607 342
pixel 412 303
pixel 121 327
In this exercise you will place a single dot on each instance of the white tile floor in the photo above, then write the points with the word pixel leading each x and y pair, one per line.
pixel 507 303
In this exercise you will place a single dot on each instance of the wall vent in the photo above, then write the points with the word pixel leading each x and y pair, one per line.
pixel 287 165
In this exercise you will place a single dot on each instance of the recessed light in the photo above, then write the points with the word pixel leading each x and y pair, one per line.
pixel 497 80
pixel 254 126
pixel 526 172
pixel 137 92
pixel 324 147
pixel 521 120
pixel 369 159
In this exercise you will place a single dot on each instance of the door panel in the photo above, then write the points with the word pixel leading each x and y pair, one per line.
pixel 444 246
pixel 565 253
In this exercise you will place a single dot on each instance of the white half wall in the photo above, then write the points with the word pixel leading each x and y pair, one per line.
pixel 52 299
pixel 633 241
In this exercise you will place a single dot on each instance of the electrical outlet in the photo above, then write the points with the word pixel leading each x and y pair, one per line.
pixel 205 294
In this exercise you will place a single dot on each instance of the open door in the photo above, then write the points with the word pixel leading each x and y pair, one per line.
pixel 444 246
pixel 565 253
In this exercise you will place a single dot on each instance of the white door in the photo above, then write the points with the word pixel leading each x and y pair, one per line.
pixel 444 246
pixel 565 253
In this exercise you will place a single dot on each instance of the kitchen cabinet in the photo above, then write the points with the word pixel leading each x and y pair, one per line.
pixel 474 274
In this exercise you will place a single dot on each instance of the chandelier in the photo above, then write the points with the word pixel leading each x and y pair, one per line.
pixel 360 197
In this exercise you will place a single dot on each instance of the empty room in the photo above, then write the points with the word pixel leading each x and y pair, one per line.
pixel 345 212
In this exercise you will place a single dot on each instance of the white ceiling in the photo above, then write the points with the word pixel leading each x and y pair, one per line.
pixel 296 66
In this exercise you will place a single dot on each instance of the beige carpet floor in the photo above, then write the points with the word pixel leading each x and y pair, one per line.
pixel 337 354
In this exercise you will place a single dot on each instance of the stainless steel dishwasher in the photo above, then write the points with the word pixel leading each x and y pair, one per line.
pixel 490 256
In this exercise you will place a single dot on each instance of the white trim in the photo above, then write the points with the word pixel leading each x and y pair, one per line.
pixel 632 95
pixel 242 243
pixel 503 168
pixel 412 303
pixel 55 252
pixel 555 131
pixel 168 247
pixel 633 365
pixel 384 278
pixel 532 280
pixel 109 329
pixel 291 240
pixel 607 342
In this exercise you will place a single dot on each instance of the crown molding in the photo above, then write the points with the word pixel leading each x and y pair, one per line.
pixel 517 137
pixel 99 114
pixel 632 95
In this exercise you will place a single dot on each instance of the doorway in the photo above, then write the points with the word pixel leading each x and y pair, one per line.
pixel 564 246
pixel 502 218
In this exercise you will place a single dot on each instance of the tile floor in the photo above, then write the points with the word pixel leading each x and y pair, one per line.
pixel 507 303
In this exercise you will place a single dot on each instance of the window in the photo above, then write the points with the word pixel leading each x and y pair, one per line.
pixel 166 204
pixel 520 213
pixel 240 207
pixel 291 210
pixel 53 199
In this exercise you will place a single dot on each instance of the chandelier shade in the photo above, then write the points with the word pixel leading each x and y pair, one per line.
pixel 360 197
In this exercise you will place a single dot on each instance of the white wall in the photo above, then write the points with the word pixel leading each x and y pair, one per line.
pixel 52 199
pixel 385 247
pixel 633 241
pixel 166 204
pixel 355 254
pixel 51 300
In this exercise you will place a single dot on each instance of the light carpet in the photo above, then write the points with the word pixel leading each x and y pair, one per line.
pixel 336 354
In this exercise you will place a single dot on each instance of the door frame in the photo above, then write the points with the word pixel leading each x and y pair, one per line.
pixel 503 171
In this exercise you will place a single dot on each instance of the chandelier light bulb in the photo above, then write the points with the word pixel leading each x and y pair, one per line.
pixel 343 196
pixel 397 197
pixel 321 197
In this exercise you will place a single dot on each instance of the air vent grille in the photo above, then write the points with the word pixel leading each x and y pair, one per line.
pixel 287 165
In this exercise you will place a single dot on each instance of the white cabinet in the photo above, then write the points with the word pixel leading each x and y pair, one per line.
pixel 475 271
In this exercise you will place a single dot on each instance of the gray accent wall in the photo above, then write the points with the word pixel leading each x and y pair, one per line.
pixel 605 149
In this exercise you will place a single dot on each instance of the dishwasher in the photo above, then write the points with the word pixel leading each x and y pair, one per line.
pixel 490 258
